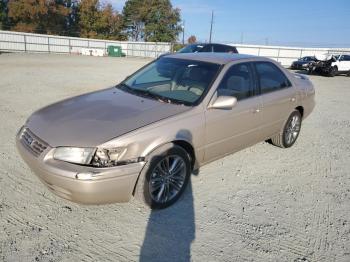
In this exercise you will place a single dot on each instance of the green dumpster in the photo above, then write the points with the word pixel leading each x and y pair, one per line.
pixel 115 50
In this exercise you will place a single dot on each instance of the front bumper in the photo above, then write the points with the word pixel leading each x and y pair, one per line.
pixel 97 185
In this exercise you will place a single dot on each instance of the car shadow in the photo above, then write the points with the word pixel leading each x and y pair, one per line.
pixel 171 231
pixel 303 72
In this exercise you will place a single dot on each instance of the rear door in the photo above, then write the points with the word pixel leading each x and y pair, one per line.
pixel 278 97
pixel 230 130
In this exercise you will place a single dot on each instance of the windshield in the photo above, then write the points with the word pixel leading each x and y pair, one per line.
pixel 173 80
pixel 191 49
pixel 306 58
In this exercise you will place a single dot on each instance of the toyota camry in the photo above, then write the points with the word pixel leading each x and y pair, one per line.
pixel 145 136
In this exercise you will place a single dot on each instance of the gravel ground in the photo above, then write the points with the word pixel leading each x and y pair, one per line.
pixel 261 204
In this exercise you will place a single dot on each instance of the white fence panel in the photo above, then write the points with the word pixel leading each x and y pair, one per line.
pixel 97 44
pixel 36 40
pixel 284 61
pixel 248 50
pixel 8 46
pixel 37 48
pixel 11 38
pixel 269 52
pixel 59 49
pixel 79 43
pixel 58 41
pixel 286 55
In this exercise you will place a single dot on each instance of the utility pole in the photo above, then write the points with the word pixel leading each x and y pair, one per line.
pixel 266 41
pixel 183 32
pixel 211 25
pixel 242 37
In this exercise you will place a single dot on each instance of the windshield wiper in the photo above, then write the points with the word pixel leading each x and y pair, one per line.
pixel 149 94
pixel 129 89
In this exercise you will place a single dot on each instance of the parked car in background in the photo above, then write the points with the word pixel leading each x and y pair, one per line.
pixel 302 63
pixel 212 48
pixel 330 65
pixel 341 65
pixel 145 136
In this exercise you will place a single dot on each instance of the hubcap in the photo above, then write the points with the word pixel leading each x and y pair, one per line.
pixel 167 178
pixel 292 130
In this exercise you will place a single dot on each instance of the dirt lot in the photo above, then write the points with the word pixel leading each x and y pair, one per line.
pixel 261 204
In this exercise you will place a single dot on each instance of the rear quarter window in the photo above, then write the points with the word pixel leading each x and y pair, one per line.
pixel 270 77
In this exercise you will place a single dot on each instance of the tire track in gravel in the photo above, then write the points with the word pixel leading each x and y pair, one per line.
pixel 99 247
pixel 265 240
pixel 322 218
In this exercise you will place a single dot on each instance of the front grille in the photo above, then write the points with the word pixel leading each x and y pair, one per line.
pixel 32 142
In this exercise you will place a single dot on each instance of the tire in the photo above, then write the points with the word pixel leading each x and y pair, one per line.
pixel 290 132
pixel 334 71
pixel 310 70
pixel 158 187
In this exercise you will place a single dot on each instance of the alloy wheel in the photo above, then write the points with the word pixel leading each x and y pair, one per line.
pixel 292 130
pixel 167 178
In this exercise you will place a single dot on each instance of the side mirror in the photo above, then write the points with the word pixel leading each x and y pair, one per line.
pixel 223 102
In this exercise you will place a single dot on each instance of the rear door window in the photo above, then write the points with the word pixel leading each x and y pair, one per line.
pixel 219 49
pixel 270 77
pixel 224 49
pixel 346 57
pixel 207 48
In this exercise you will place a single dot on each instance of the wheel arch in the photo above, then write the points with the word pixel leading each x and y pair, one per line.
pixel 301 110
pixel 187 146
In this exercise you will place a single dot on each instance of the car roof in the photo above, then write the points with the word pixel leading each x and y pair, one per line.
pixel 217 58
pixel 211 44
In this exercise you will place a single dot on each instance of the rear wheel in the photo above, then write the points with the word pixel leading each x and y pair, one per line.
pixel 164 178
pixel 290 132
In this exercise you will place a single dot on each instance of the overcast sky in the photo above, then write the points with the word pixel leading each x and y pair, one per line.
pixel 298 22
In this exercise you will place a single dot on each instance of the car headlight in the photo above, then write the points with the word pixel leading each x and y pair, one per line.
pixel 74 155
pixel 97 157
pixel 105 157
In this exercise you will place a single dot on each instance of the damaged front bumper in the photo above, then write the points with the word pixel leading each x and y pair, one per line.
pixel 82 184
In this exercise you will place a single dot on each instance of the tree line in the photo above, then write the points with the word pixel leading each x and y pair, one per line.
pixel 140 20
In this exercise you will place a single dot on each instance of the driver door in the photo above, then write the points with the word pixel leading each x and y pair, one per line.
pixel 229 130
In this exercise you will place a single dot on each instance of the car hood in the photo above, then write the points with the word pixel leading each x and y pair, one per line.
pixel 92 119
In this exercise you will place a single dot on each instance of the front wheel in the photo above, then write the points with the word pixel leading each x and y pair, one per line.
pixel 164 178
pixel 334 71
pixel 290 132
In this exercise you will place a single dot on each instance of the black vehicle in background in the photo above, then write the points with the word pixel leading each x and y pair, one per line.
pixel 216 48
pixel 302 63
